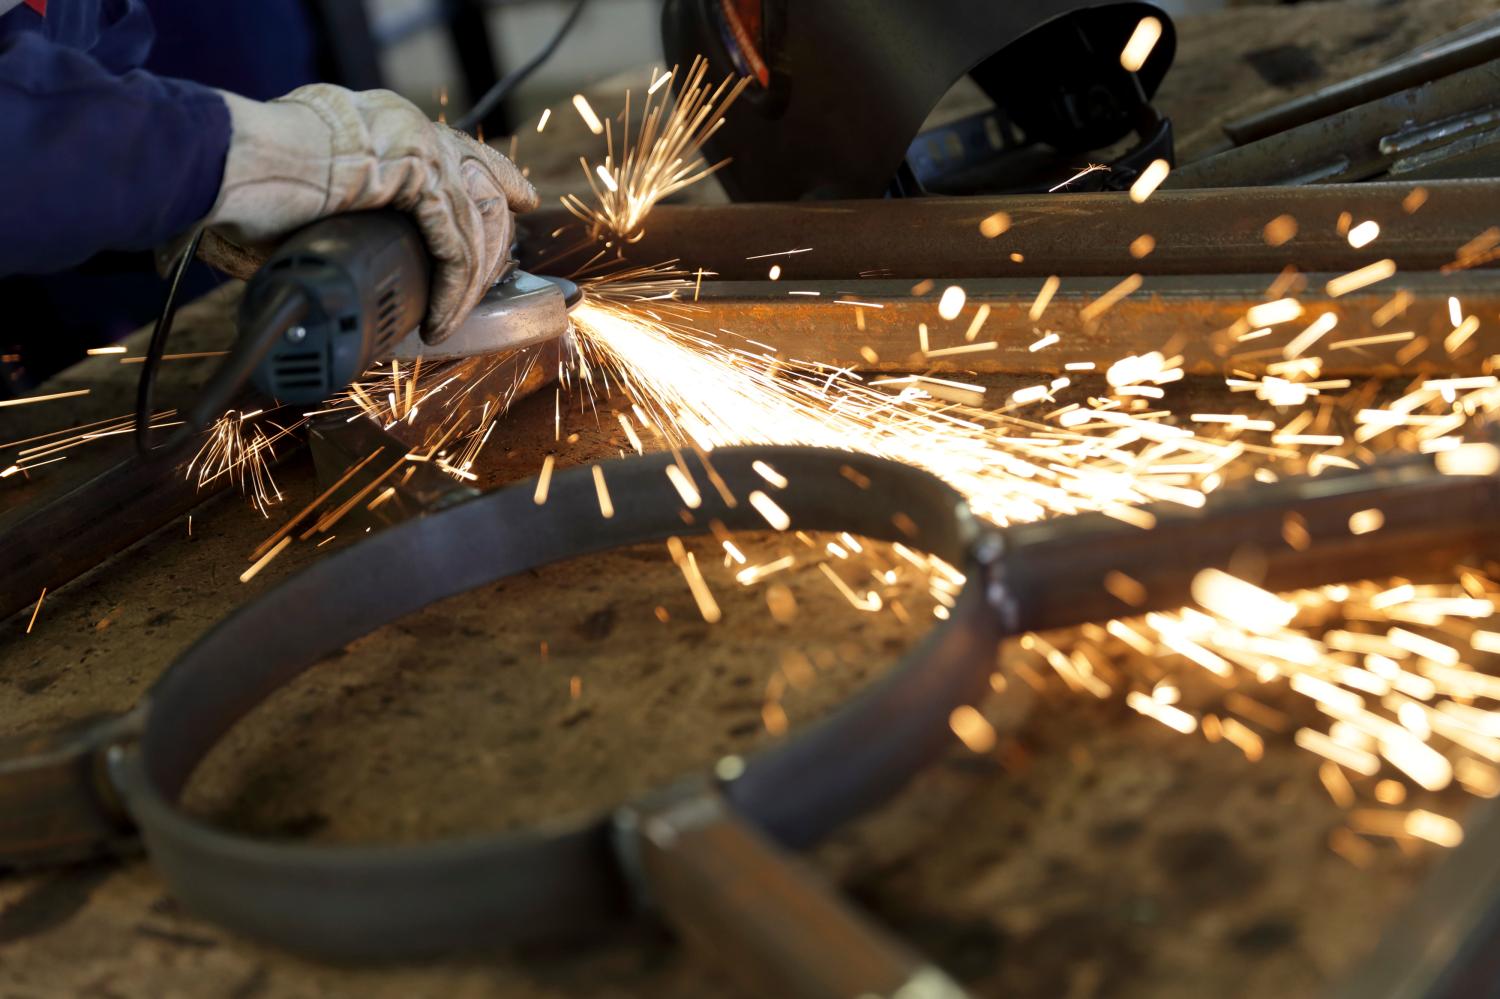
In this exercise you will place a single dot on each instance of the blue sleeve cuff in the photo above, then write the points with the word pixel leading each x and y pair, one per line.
pixel 205 117
pixel 92 161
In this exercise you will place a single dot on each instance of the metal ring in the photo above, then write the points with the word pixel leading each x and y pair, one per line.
pixel 362 902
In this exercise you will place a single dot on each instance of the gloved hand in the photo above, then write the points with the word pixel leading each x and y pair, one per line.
pixel 321 150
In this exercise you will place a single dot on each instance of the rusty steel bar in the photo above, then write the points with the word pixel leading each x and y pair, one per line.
pixel 56 802
pixel 761 913
pixel 1431 130
pixel 1056 568
pixel 70 534
pixel 103 516
pixel 1471 45
pixel 1199 318
pixel 1196 232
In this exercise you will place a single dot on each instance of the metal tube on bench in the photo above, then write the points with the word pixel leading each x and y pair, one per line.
pixel 825 322
pixel 1212 231
pixel 1056 568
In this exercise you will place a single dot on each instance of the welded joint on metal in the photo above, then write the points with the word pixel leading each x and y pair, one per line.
pixel 657 820
pixel 58 802
pixel 990 551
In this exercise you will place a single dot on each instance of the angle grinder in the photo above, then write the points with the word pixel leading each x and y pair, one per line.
pixel 346 294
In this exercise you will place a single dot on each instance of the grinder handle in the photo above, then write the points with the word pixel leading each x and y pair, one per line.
pixel 327 304
pixel 364 277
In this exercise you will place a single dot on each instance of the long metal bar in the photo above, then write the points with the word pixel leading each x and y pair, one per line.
pixel 1412 133
pixel 75 532
pixel 56 804
pixel 1056 568
pixel 762 914
pixel 96 519
pixel 875 324
pixel 1472 45
pixel 1075 235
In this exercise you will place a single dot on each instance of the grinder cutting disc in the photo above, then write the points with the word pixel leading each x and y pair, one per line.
pixel 522 311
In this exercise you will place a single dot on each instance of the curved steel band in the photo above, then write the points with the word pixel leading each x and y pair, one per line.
pixel 374 901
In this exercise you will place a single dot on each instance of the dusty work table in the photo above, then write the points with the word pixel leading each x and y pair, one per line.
pixel 1093 853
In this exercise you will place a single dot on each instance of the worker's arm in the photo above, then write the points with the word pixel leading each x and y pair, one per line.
pixel 91 160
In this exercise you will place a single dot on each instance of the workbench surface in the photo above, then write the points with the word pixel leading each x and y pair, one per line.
pixel 1095 853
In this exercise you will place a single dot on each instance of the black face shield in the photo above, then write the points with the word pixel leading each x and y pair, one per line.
pixel 840 90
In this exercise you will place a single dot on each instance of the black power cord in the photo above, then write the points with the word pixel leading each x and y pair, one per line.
pixel 158 346
pixel 502 87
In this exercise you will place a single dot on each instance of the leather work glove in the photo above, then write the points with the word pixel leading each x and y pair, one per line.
pixel 322 150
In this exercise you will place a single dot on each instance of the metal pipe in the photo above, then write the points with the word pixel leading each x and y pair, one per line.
pixel 104 515
pixel 1198 317
pixel 1076 235
pixel 762 914
pixel 1056 568
pixel 1413 133
pixel 1472 45
pixel 132 499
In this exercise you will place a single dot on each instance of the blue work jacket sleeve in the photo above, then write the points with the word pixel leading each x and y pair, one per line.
pixel 91 160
